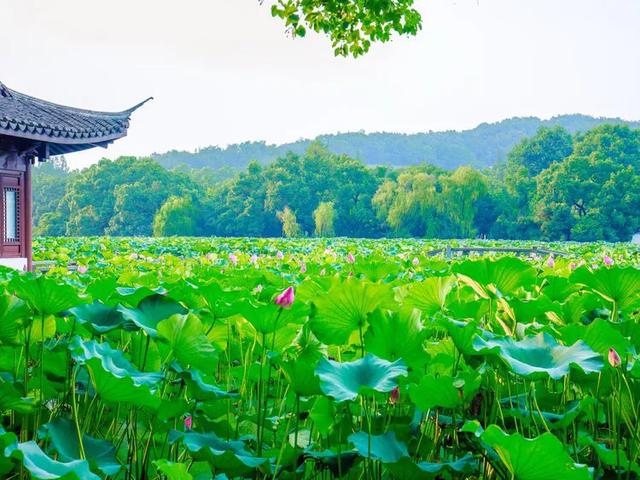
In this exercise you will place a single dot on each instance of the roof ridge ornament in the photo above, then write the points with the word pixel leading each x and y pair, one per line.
pixel 4 91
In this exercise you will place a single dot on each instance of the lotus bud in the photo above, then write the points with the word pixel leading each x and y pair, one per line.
pixel 133 256
pixel 351 258
pixel 286 298
pixel 279 255
pixel 211 257
pixel 573 266
pixel 323 272
pixel 82 269
pixel 254 259
pixel 233 259
pixel 188 422
pixel 303 268
pixel 415 261
pixel 394 396
pixel 608 261
pixel 614 358
pixel 551 262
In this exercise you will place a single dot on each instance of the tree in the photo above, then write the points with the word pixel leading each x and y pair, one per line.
pixel 177 216
pixel 324 216
pixel 594 194
pixel 351 26
pixel 290 227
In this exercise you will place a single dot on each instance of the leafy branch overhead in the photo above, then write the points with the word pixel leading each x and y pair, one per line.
pixel 352 26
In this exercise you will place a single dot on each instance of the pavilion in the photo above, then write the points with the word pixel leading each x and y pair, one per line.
pixel 33 130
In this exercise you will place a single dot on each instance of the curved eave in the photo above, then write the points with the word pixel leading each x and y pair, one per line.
pixel 89 141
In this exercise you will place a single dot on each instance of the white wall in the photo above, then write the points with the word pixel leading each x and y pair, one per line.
pixel 17 263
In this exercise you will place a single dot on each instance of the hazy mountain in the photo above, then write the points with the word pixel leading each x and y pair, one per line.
pixel 482 146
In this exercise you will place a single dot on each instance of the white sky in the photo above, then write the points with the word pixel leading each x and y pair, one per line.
pixel 222 71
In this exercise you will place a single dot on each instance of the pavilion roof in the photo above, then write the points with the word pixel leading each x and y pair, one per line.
pixel 64 129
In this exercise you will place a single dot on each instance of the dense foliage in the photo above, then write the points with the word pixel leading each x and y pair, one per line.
pixel 552 186
pixel 481 147
pixel 194 358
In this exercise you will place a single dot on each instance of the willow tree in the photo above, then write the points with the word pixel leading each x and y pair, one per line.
pixel 324 217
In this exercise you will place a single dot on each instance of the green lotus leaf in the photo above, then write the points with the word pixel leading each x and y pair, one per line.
pixel 100 454
pixel 620 285
pixel 386 448
pixel 300 375
pixel 43 467
pixel 430 295
pixel 600 335
pixel 151 311
pixel 188 342
pixel 540 458
pixel 495 277
pixel 337 463
pixel 323 415
pixel 407 469
pixel 345 381
pixel 344 309
pixel 540 356
pixel 394 335
pixel 173 470
pixel 200 389
pixel 462 334
pixel 10 399
pixel 114 377
pixel 610 457
pixel 98 317
pixel 44 294
pixel 12 309
pixel 230 457
pixel 444 391
pixel 132 296
pixel 8 443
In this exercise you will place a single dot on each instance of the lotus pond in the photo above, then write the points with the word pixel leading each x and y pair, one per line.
pixel 316 359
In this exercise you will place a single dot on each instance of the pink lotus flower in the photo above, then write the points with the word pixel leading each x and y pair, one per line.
pixel 394 396
pixel 608 261
pixel 573 265
pixel 614 358
pixel 279 255
pixel 303 268
pixel 134 256
pixel 415 261
pixel 551 262
pixel 233 259
pixel 254 259
pixel 286 298
pixel 188 422
pixel 328 251
pixel 351 258
pixel 82 269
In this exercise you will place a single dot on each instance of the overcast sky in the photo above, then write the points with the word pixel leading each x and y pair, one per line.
pixel 223 71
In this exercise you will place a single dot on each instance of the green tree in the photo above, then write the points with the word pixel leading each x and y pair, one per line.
pixel 351 26
pixel 323 217
pixel 290 227
pixel 178 216
pixel 594 194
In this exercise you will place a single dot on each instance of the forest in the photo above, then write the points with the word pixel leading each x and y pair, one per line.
pixel 553 185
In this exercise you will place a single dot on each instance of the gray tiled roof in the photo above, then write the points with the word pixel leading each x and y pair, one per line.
pixel 27 117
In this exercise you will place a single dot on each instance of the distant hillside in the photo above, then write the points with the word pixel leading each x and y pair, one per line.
pixel 481 147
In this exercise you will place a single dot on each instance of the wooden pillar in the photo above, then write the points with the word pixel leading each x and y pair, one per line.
pixel 28 236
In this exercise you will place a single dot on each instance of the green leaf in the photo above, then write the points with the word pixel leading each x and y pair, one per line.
pixel 540 458
pixel 344 309
pixel 151 311
pixel 495 277
pixel 407 469
pixel 540 356
pixel 12 310
pixel 394 335
pixel 430 295
pixel 114 377
pixel 98 317
pixel 345 381
pixel 41 466
pixel 10 399
pixel 386 448
pixel 62 436
pixel 188 343
pixel 44 294
pixel 620 285
pixel 8 443
pixel 444 391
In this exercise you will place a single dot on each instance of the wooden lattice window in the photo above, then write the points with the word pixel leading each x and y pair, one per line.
pixel 11 215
